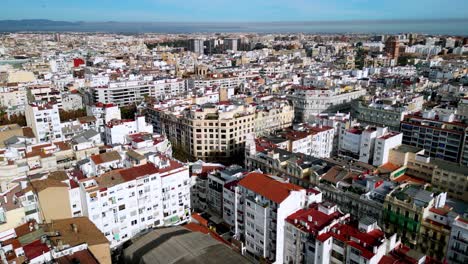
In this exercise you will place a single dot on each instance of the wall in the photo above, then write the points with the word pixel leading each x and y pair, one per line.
pixel 55 203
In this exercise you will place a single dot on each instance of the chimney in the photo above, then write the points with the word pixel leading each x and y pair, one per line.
pixel 309 218
pixel 75 228
pixel 59 244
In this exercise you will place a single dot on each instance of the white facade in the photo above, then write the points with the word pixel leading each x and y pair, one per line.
pixel 261 213
pixel 122 93
pixel 457 250
pixel 168 88
pixel 72 102
pixel 44 119
pixel 123 203
pixel 104 113
pixel 383 145
pixel 116 131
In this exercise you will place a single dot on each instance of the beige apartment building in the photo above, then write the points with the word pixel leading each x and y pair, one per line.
pixel 219 131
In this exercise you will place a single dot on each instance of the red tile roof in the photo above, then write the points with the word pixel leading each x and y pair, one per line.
pixel 268 187
pixel 319 220
pixel 35 249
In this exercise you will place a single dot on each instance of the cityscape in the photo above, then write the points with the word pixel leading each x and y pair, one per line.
pixel 260 134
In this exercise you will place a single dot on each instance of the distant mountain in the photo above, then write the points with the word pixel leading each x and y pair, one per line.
pixel 35 25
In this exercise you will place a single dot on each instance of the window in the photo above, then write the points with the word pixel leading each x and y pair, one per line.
pixel 121 207
pixel 134 222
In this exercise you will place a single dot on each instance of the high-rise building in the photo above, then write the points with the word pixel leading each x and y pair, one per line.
pixel 231 44
pixel 196 45
pixel 264 204
pixel 392 47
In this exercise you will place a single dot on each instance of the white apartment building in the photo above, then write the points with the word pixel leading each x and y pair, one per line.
pixel 11 97
pixel 264 203
pixel 104 113
pixel 116 131
pixel 369 144
pixel 457 250
pixel 219 80
pixel 46 93
pixel 311 101
pixel 72 101
pixel 122 203
pixel 304 229
pixel 121 93
pixel 383 145
pixel 168 88
pixel 44 119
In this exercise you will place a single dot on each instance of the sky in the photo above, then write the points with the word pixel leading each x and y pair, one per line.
pixel 231 10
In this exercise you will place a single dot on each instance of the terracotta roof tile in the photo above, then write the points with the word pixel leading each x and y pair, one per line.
pixel 268 187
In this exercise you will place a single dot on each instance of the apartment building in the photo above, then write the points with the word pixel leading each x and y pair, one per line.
pixel 44 119
pixel 122 203
pixel 386 112
pixel 116 131
pixel 440 135
pixel 311 101
pixel 316 141
pixel 360 195
pixel 457 250
pixel 14 99
pixel 323 235
pixel 405 208
pixel 168 88
pixel 215 188
pixel 383 145
pixel 340 122
pixel 265 202
pixel 103 113
pixel 227 80
pixel 301 169
pixel 216 130
pixel 45 93
pixel 121 93
pixel 451 178
pixel 369 144
pixel 304 227
pixel 273 116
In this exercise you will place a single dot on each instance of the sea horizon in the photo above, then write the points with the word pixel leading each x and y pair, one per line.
pixel 384 26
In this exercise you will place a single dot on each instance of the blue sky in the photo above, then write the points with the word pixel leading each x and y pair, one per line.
pixel 231 10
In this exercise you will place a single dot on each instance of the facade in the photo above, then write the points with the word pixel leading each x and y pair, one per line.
pixel 210 131
pixel 303 230
pixel 404 210
pixel 122 203
pixel 265 202
pixel 451 178
pixel 116 131
pixel 72 101
pixel 168 88
pixel 383 145
pixel 441 137
pixel 231 44
pixel 457 250
pixel 196 45
pixel 121 93
pixel 103 113
pixel 44 119
pixel 381 115
pixel 311 101
pixel 45 93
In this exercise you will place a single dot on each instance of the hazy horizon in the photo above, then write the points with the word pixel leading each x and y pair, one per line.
pixel 451 26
